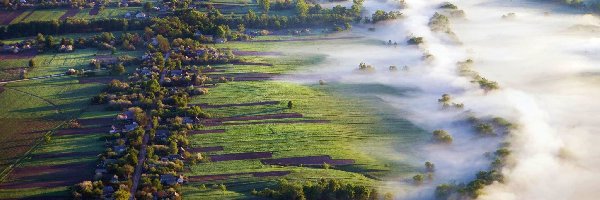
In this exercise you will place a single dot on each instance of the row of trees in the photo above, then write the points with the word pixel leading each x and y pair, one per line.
pixel 322 189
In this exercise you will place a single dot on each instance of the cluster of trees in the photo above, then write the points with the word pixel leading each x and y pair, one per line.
pixel 322 189
pixel 415 40
pixel 464 69
pixel 381 15
pixel 365 68
pixel 442 136
pixel 439 22
pixel 473 188
pixel 446 102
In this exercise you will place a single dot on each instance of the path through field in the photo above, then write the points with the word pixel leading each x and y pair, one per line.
pixel 139 167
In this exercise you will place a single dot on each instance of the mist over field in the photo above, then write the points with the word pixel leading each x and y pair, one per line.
pixel 545 59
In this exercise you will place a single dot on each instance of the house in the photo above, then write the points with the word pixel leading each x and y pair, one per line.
pixel 145 72
pixel 162 135
pixel 219 40
pixel 114 179
pixel 113 130
pixel 107 162
pixel 141 15
pixel 119 149
pixel 188 120
pixel 169 179
pixel 130 127
pixel 127 15
pixel 176 72
pixel 126 115
pixel 108 191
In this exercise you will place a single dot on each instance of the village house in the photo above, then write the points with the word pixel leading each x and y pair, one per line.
pixel 130 127
pixel 107 192
pixel 169 179
pixel 119 149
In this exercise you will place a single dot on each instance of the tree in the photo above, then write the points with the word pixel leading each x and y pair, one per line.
pixel 265 5
pixel 241 28
pixel 223 31
pixel 301 8
pixel 49 42
pixel 118 69
pixel 429 166
pixel 163 43
pixel 290 105
pixel 173 147
pixel 32 63
pixel 153 86
pixel 223 188
pixel 122 194
pixel 418 179
pixel 148 6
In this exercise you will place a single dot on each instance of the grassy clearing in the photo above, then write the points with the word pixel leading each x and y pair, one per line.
pixel 107 13
pixel 42 15
pixel 350 135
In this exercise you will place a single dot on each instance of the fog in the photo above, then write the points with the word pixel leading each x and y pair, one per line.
pixel 545 59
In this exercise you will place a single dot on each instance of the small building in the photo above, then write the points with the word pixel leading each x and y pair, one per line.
pixel 141 15
pixel 119 149
pixel 130 127
pixel 114 179
pixel 169 179
pixel 127 15
pixel 108 191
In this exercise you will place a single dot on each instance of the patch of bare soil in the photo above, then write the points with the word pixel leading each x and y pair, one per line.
pixel 81 131
pixel 236 104
pixel 205 149
pixel 240 156
pixel 106 121
pixel 26 54
pixel 70 13
pixel 307 160
pixel 8 16
pixel 47 176
pixel 194 132
pixel 64 155
pixel 256 53
pixel 308 121
pixel 103 80
pixel 227 176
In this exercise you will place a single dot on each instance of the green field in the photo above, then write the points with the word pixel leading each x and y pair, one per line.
pixel 40 15
pixel 107 13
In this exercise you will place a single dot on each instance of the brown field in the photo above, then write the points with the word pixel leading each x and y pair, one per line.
pixel 240 156
pixel 236 105
pixel 227 176
pixel 79 131
pixel 308 160
pixel 103 80
pixel 17 136
pixel 251 63
pixel 95 10
pixel 205 149
pixel 245 76
pixel 22 55
pixel 8 16
pixel 70 13
pixel 256 53
pixel 48 176
pixel 308 121
pixel 64 155
pixel 194 132
pixel 107 121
